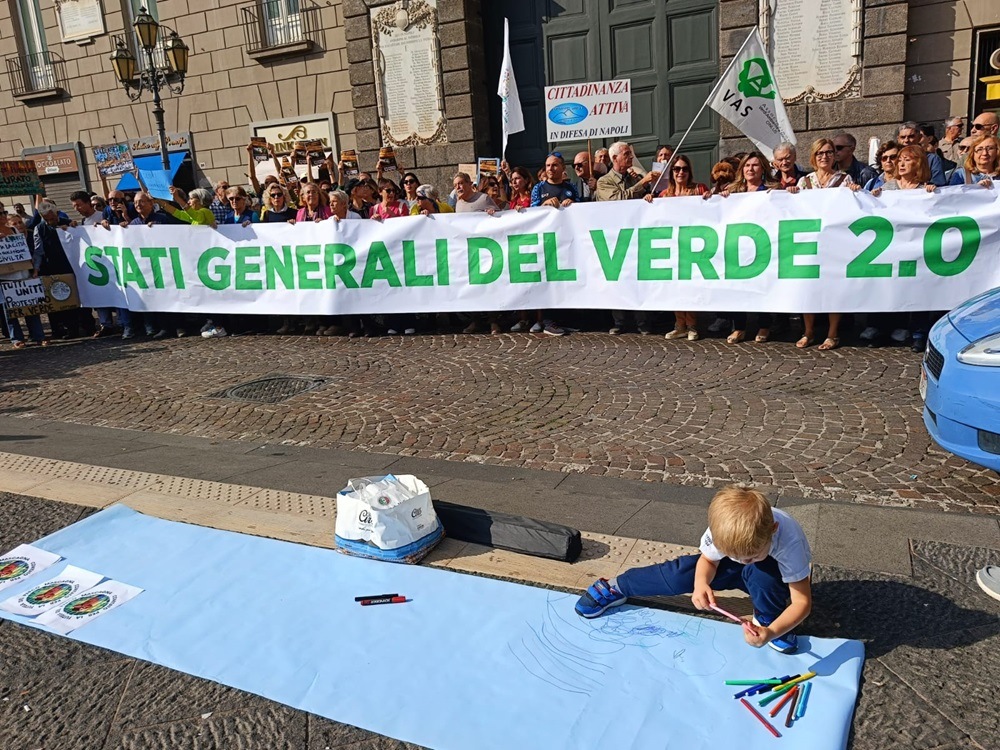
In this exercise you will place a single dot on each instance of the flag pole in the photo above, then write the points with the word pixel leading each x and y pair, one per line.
pixel 711 94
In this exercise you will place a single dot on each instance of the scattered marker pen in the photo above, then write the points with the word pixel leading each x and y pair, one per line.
pixel 383 600
pixel 374 596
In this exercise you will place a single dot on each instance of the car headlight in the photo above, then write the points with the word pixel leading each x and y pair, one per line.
pixel 985 352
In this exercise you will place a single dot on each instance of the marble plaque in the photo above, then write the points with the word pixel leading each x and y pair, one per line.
pixel 815 46
pixel 80 19
pixel 408 73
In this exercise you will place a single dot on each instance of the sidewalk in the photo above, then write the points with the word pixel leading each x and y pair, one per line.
pixel 902 580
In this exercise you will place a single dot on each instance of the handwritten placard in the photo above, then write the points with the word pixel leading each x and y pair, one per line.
pixel 19 178
pixel 14 253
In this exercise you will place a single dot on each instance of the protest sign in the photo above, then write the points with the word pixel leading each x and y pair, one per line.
pixel 258 148
pixel 387 158
pixel 42 295
pixel 14 253
pixel 113 159
pixel 487 168
pixel 817 251
pixel 349 164
pixel 19 178
pixel 577 111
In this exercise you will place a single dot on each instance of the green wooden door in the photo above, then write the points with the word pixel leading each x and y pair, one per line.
pixel 668 48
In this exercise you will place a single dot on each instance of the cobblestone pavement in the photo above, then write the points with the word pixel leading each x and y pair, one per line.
pixel 843 425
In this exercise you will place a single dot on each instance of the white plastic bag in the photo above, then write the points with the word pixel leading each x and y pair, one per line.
pixel 387 518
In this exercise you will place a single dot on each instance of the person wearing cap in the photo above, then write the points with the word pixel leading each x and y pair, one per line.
pixel 428 202
pixel 358 192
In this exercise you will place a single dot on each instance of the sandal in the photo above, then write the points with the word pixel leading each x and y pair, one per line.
pixel 762 338
pixel 804 342
pixel 18 344
pixel 736 337
pixel 829 344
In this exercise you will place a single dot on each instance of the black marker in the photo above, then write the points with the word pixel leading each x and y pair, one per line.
pixel 374 596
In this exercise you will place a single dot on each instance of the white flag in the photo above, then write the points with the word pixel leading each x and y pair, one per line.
pixel 513 119
pixel 747 95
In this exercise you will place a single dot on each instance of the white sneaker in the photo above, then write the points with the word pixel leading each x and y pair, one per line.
pixel 719 324
pixel 519 326
pixel 900 335
pixel 409 331
pixel 869 333
pixel 208 325
pixel 693 335
pixel 215 332
pixel 677 333
pixel 392 332
pixel 537 328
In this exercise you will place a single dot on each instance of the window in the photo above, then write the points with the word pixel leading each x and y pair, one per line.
pixel 37 67
pixel 282 22
pixel 134 8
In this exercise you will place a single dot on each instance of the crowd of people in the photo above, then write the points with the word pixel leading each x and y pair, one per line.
pixel 916 159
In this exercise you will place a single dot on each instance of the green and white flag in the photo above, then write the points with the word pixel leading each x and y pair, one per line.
pixel 747 95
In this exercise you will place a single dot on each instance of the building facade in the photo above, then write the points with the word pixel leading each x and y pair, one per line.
pixel 293 69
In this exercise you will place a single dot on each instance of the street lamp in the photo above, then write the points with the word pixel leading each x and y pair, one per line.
pixel 135 80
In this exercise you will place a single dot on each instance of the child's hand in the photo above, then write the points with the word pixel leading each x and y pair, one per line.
pixel 756 636
pixel 703 597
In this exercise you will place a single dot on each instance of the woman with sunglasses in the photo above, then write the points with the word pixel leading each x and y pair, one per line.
pixel 982 164
pixel 410 183
pixel 313 207
pixel 886 156
pixel 492 187
pixel 277 205
pixel 391 206
pixel 681 183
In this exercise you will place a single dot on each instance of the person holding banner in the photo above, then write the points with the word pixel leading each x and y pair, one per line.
pixel 681 183
pixel 521 185
pixel 787 173
pixel 555 190
pixel 15 225
pixel 391 206
pixel 982 165
pixel 823 159
pixel 623 182
pixel 429 202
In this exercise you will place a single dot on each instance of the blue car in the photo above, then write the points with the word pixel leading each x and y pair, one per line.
pixel 960 381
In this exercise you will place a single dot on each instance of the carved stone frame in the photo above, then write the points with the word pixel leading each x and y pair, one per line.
pixel 387 20
pixel 851 89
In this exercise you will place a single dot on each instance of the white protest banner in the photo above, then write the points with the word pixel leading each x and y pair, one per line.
pixel 577 111
pixel 817 251
pixel 14 253
pixel 747 95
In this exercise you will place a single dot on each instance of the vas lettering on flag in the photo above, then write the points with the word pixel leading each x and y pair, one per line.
pixel 747 95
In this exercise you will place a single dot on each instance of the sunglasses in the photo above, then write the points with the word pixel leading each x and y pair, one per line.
pixel 680 169
pixel 978 126
pixel 277 195
pixel 410 182
pixel 890 157
pixel 963 148
pixel 579 165
pixel 841 148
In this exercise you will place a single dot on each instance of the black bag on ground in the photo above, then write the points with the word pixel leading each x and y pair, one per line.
pixel 528 536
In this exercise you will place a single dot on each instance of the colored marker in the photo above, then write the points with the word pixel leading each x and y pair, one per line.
pixel 769 688
pixel 754 682
pixel 763 721
pixel 800 678
pixel 384 600
pixel 791 708
pixel 374 596
pixel 800 710
pixel 751 690
pixel 745 623
pixel 784 699
pixel 775 694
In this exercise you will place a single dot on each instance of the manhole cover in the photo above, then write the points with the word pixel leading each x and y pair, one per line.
pixel 272 389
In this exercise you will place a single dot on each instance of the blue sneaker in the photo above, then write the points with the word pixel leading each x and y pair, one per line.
pixel 599 598
pixel 785 644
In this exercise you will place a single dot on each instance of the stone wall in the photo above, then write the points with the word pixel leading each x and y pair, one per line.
pixel 876 112
pixel 225 89
pixel 939 56
pixel 460 36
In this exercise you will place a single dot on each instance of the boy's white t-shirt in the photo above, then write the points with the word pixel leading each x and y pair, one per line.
pixel 789 548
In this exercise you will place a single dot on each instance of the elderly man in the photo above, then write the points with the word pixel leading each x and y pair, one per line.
pixel 468 199
pixel 623 182
pixel 985 124
pixel 586 182
pixel 910 134
pixel 49 258
pixel 844 145
pixel 220 206
pixel 954 128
